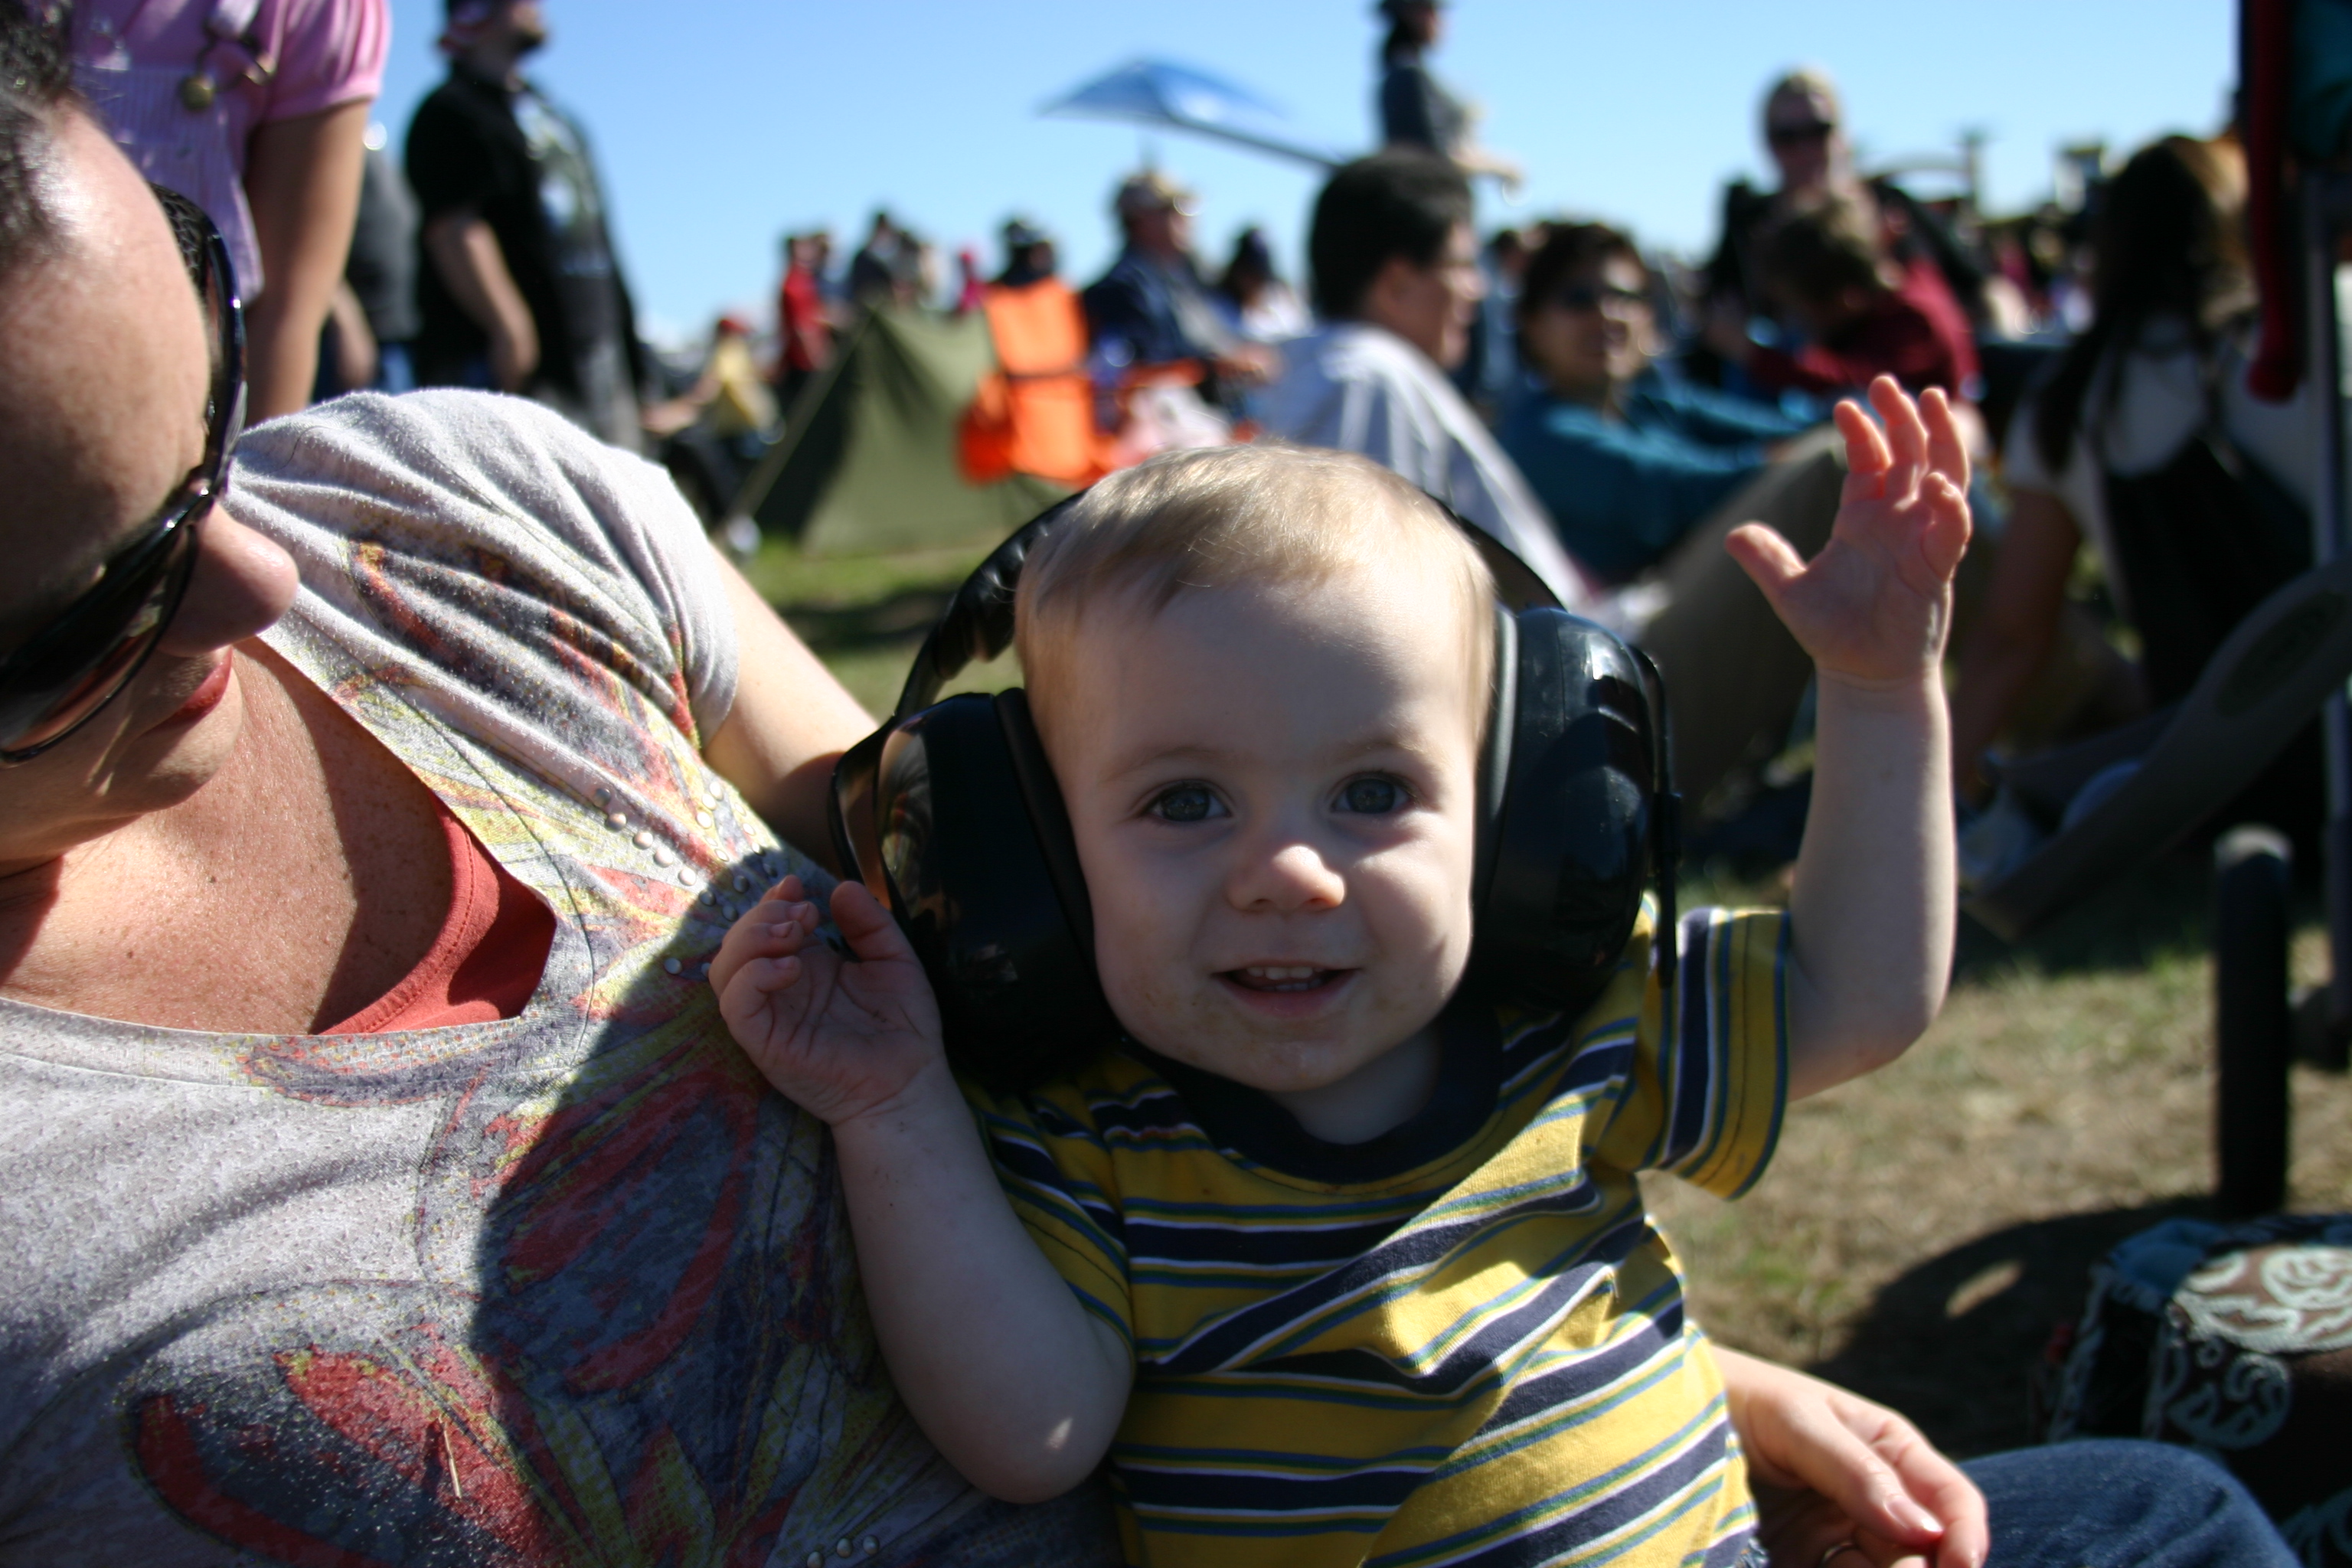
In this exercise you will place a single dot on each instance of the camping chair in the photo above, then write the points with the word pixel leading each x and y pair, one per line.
pixel 2127 795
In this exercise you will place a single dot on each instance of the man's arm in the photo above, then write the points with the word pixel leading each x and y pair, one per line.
pixel 466 256
pixel 790 722
pixel 1872 909
pixel 302 182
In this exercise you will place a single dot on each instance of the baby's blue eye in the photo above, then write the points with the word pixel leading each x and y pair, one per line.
pixel 1185 803
pixel 1372 798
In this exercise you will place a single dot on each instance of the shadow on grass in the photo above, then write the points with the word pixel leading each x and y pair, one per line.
pixel 1953 1342
pixel 2163 907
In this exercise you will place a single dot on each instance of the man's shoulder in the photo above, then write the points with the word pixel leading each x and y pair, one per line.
pixel 1125 276
pixel 1361 353
pixel 462 98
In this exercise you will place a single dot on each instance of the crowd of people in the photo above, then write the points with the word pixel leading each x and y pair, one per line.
pixel 469 1102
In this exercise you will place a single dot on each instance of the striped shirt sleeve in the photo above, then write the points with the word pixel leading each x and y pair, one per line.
pixel 1057 1172
pixel 1707 1078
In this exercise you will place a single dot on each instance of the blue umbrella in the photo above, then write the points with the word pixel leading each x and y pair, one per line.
pixel 1158 92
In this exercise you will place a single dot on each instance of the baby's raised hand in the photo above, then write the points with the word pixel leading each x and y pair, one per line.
pixel 841 1039
pixel 1875 606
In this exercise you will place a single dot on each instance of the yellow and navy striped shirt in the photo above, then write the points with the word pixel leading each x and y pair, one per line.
pixel 1462 1342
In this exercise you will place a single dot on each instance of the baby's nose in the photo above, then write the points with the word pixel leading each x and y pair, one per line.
pixel 1294 876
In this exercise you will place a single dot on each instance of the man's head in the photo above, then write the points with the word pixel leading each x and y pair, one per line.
pixel 1155 214
pixel 1413 25
pixel 491 36
pixel 107 360
pixel 1028 249
pixel 1261 675
pixel 1392 243
pixel 1823 263
pixel 1804 131
pixel 1585 322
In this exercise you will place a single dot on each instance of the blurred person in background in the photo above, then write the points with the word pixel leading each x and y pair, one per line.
pixel 874 269
pixel 2145 443
pixel 1490 374
pixel 1268 308
pixel 1416 110
pixel 371 322
pixel 256 110
pixel 1034 411
pixel 1151 307
pixel 520 290
pixel 1804 132
pixel 804 320
pixel 969 285
pixel 714 431
pixel 1029 253
pixel 1394 266
pixel 1627 462
pixel 1825 270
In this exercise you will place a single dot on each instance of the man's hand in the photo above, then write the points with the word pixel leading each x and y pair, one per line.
pixel 514 353
pixel 1829 1466
pixel 1875 606
pixel 841 1039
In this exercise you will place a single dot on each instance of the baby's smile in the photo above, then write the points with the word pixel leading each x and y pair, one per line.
pixel 1286 977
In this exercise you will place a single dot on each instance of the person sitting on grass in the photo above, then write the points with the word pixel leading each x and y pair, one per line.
pixel 1826 266
pixel 1627 462
pixel 1328 1262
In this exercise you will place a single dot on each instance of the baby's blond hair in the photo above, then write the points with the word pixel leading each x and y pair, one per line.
pixel 1222 516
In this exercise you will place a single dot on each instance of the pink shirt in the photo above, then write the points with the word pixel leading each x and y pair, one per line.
pixel 269 60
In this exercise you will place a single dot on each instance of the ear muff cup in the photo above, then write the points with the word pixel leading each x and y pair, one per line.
pixel 979 868
pixel 1569 839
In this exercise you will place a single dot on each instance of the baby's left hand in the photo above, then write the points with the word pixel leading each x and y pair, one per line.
pixel 1875 606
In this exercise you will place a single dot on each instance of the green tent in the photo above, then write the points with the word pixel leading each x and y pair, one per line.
pixel 867 462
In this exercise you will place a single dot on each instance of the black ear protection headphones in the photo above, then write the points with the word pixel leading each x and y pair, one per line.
pixel 951 816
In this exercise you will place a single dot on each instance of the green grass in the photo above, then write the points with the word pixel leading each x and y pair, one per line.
pixel 866 614
pixel 1920 1230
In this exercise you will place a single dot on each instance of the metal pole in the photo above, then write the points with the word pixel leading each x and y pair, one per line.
pixel 2329 541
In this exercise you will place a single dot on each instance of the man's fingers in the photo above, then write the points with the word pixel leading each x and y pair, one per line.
pixel 872 934
pixel 1768 559
pixel 1947 448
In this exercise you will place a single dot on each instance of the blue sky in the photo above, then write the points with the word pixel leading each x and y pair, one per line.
pixel 719 124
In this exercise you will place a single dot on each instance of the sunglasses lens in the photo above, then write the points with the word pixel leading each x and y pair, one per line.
pixel 76 668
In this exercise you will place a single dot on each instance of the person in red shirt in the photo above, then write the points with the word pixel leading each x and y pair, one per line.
pixel 804 329
pixel 1826 268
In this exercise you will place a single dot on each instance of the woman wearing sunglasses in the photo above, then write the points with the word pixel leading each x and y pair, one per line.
pixel 376 1179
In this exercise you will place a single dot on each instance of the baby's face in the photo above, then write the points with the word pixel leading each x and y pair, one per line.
pixel 1273 791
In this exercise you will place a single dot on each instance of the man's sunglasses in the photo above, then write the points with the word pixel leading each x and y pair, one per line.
pixel 1797 135
pixel 57 680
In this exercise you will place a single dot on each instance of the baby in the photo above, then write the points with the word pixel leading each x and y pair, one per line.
pixel 1333 1264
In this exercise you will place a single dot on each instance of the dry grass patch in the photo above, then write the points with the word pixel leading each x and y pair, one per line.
pixel 1922 1229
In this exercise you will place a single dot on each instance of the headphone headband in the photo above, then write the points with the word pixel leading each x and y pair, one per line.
pixel 978 623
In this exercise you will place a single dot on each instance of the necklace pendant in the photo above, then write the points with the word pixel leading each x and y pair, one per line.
pixel 197 91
